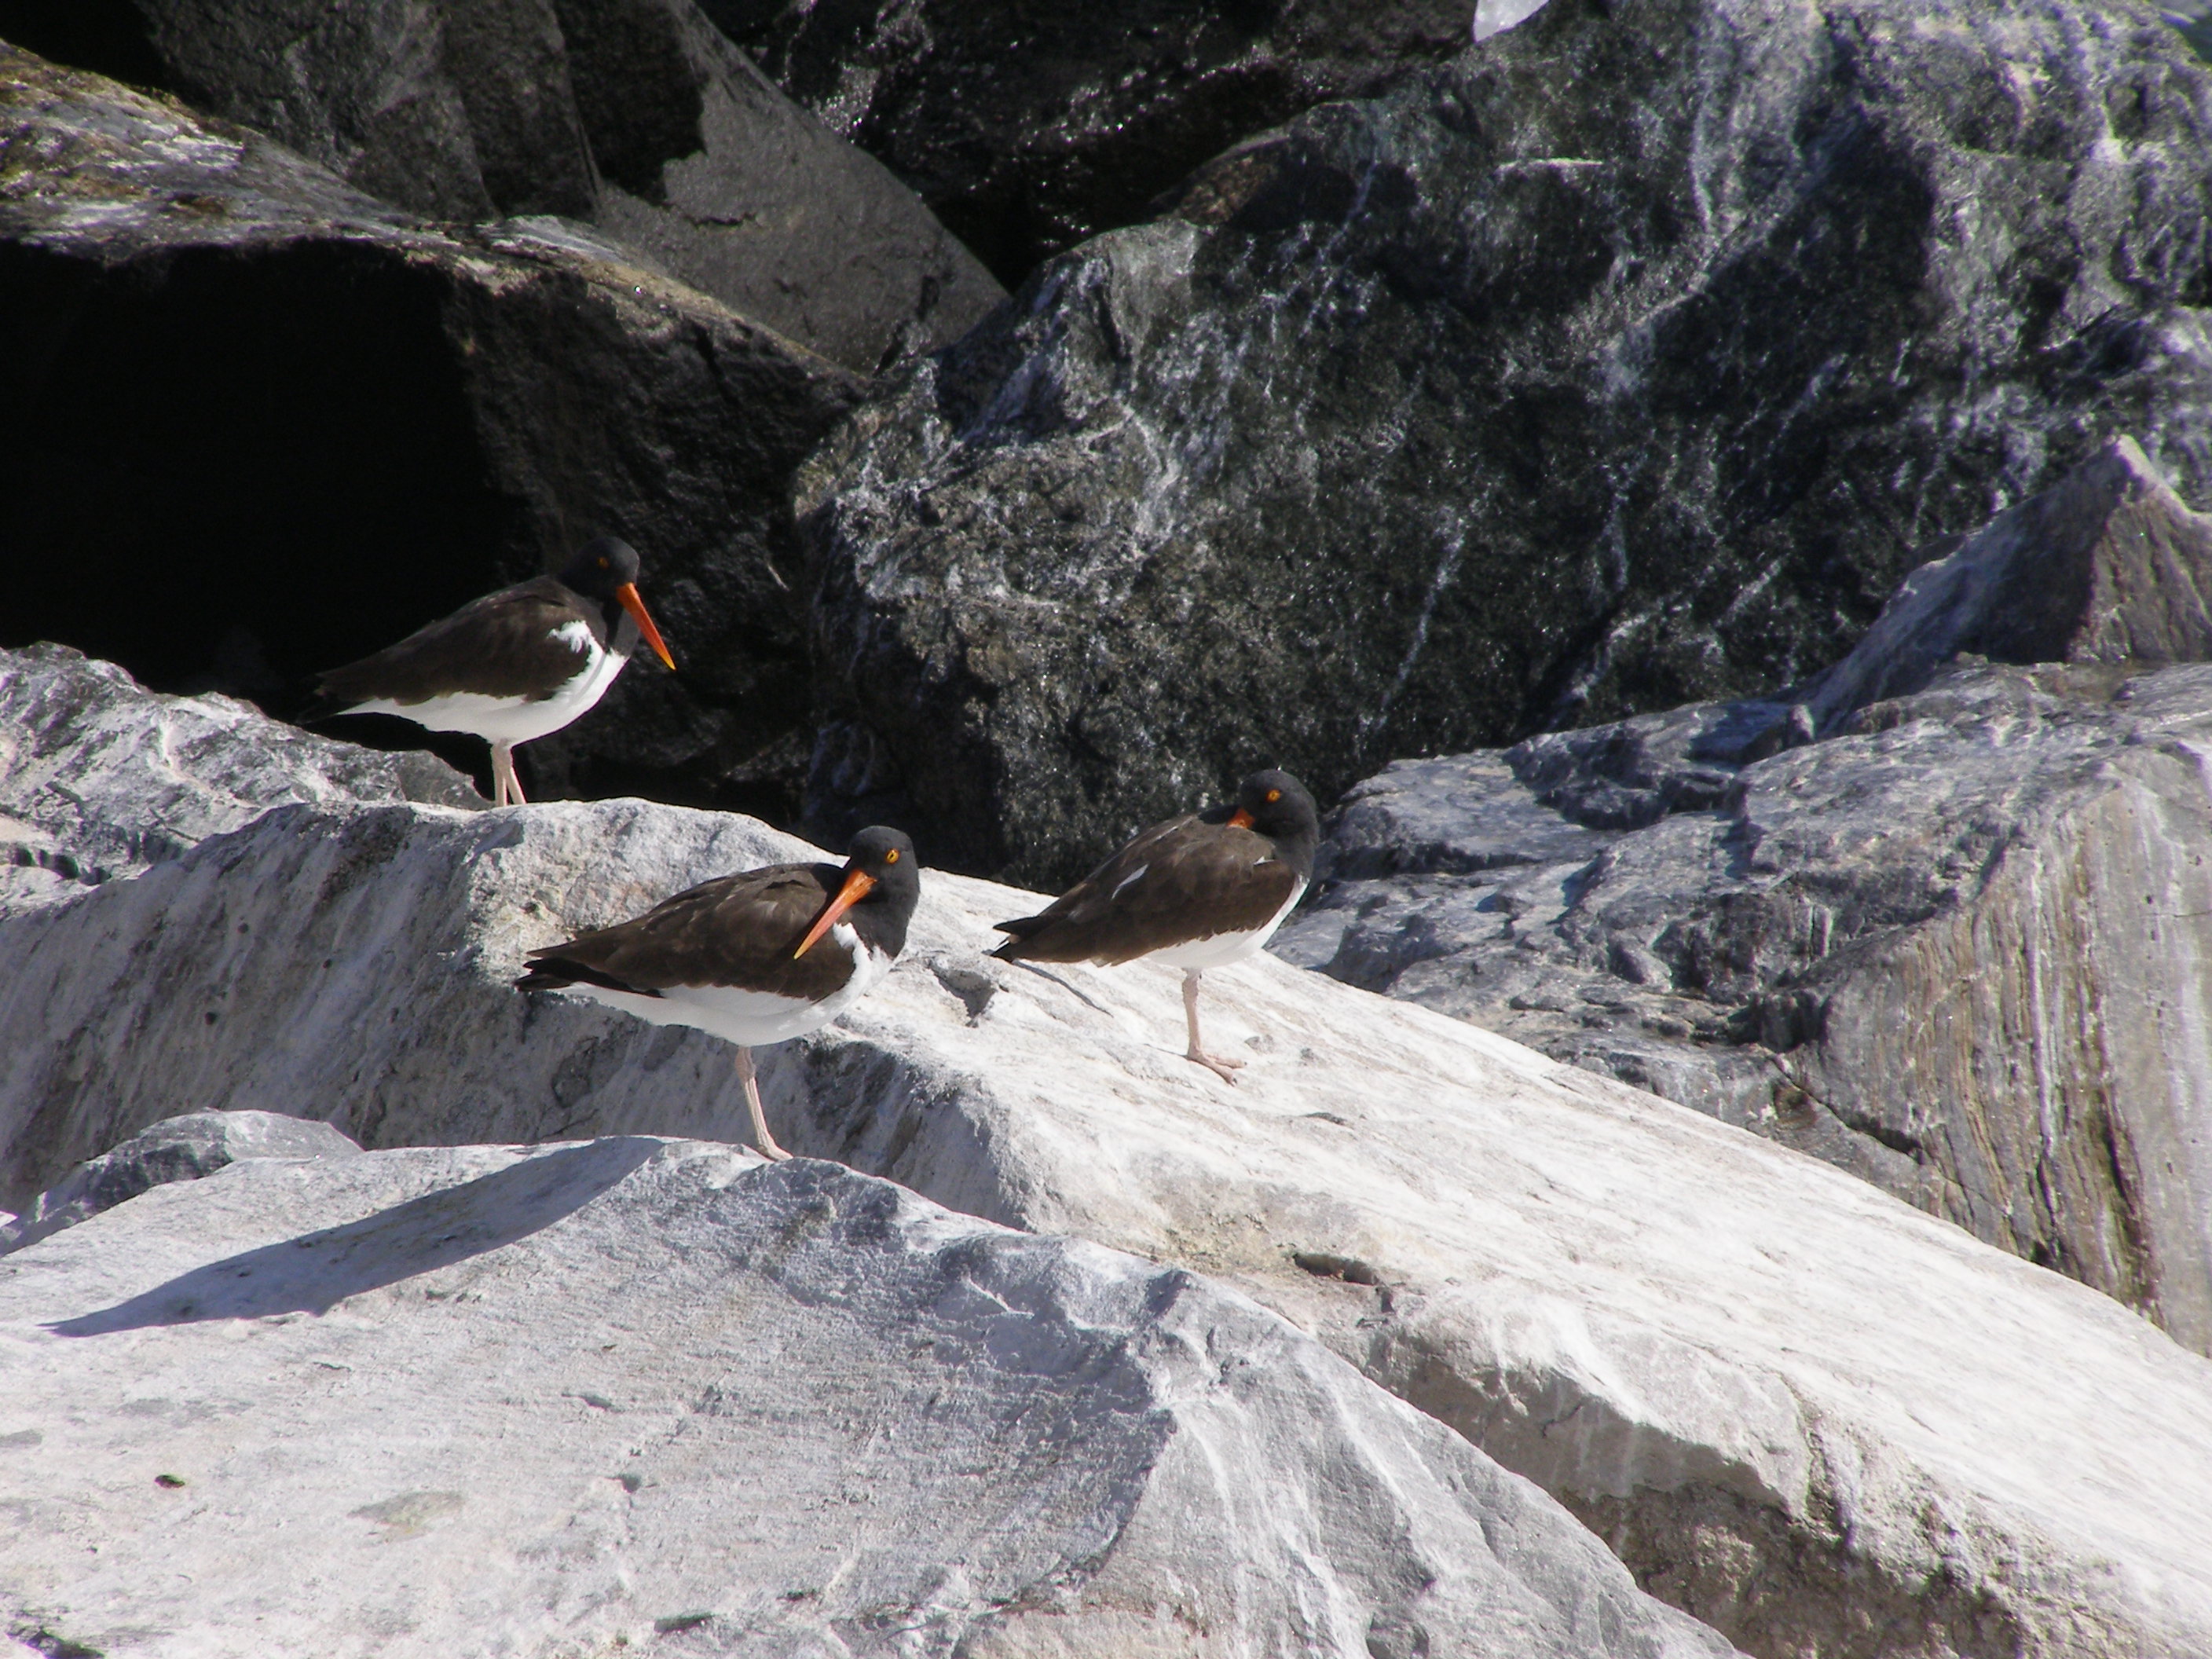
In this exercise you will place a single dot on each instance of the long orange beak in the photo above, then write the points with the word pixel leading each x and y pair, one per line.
pixel 1241 818
pixel 627 594
pixel 858 886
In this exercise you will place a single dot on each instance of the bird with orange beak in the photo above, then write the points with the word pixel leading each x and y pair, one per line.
pixel 1199 892
pixel 751 958
pixel 512 665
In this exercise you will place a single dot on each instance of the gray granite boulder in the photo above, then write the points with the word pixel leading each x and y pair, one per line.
pixel 1960 947
pixel 99 777
pixel 182 1148
pixel 1797 1409
pixel 1625 362
pixel 254 424
pixel 644 1394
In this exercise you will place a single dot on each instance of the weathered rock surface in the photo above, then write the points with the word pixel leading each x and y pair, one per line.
pixel 1799 1410
pixel 1625 362
pixel 2108 565
pixel 1030 129
pixel 254 424
pixel 99 777
pixel 749 197
pixel 1963 949
pixel 649 1394
pixel 182 1148
pixel 636 114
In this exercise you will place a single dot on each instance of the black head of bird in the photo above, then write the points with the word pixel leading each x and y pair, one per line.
pixel 882 873
pixel 1277 806
pixel 606 569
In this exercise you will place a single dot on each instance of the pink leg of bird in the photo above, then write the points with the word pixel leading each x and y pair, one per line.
pixel 766 1141
pixel 506 785
pixel 1226 1070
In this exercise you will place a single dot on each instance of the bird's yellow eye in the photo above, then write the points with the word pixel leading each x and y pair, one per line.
pixel 1273 795
pixel 603 564
pixel 892 857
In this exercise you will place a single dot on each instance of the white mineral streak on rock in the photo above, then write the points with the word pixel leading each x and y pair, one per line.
pixel 1795 1405
pixel 595 1397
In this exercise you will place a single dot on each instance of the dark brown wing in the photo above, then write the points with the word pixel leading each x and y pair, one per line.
pixel 1181 880
pixel 499 646
pixel 739 930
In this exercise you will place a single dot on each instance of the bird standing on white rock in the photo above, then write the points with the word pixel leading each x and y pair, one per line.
pixel 744 957
pixel 1197 892
pixel 512 665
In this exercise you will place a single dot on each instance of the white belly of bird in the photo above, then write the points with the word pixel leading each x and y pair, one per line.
pixel 515 719
pixel 750 1018
pixel 1219 949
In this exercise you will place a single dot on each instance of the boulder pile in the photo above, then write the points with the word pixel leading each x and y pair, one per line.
pixel 1796 1408
pixel 1941 915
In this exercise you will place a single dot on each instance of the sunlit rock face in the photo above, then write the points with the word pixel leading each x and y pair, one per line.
pixel 1942 921
pixel 1623 363
pixel 101 778
pixel 631 1393
pixel 1813 1418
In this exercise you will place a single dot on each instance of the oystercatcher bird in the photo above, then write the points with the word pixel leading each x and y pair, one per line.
pixel 1197 892
pixel 512 666
pixel 743 957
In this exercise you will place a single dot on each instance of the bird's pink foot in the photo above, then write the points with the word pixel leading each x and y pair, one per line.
pixel 1226 1070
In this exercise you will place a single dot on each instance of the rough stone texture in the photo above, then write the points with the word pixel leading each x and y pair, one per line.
pixel 2106 565
pixel 636 114
pixel 254 424
pixel 1029 129
pixel 99 777
pixel 1820 1421
pixel 179 1149
pixel 749 197
pixel 454 110
pixel 1623 363
pixel 661 1395
pixel 1960 949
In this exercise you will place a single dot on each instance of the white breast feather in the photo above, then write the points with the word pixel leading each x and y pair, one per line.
pixel 517 720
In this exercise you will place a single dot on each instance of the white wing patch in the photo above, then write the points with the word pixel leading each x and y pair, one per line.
pixel 1128 881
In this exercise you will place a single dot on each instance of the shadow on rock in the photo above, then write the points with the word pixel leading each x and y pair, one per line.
pixel 315 1272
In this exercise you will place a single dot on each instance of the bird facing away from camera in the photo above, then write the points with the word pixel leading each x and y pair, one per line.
pixel 1197 892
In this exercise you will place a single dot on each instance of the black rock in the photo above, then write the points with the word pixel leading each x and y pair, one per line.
pixel 709 169
pixel 250 417
pixel 637 115
pixel 1622 364
pixel 1029 129
pixel 1958 946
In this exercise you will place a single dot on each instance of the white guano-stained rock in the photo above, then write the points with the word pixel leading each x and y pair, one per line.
pixel 632 1395
pixel 1818 1420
